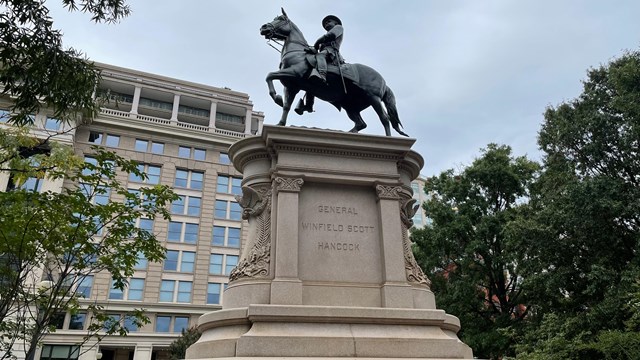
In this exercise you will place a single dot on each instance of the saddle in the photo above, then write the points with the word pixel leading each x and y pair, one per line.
pixel 348 70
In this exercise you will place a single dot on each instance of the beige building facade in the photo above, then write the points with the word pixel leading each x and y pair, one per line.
pixel 179 132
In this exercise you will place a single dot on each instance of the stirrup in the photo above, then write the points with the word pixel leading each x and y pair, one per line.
pixel 301 107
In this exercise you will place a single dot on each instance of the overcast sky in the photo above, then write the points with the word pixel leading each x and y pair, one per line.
pixel 465 73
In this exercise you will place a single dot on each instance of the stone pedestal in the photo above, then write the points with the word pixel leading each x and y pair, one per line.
pixel 327 270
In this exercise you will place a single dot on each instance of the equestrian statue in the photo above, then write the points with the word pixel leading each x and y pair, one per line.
pixel 321 72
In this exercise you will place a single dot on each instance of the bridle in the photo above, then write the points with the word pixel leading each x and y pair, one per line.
pixel 272 32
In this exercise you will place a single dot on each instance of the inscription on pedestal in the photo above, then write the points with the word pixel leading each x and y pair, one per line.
pixel 339 237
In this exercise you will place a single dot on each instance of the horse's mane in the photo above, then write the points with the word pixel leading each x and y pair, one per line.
pixel 294 26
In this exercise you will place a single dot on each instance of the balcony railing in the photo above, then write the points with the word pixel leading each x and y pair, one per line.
pixel 166 122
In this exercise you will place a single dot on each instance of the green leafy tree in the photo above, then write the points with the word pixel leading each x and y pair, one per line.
pixel 37 71
pixel 178 348
pixel 470 257
pixel 584 234
pixel 64 238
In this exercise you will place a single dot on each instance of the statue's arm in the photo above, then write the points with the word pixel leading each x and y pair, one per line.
pixel 329 36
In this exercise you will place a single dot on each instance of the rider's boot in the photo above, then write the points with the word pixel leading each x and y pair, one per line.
pixel 315 74
pixel 301 107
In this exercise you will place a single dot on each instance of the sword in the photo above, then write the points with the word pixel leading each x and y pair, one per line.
pixel 337 56
pixel 344 86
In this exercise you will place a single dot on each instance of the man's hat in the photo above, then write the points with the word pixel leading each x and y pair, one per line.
pixel 330 17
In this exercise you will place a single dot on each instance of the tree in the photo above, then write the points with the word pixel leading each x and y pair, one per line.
pixel 178 348
pixel 65 238
pixel 37 71
pixel 585 233
pixel 472 260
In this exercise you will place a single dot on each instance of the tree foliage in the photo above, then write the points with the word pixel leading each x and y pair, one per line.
pixel 37 71
pixel 178 348
pixel 585 233
pixel 66 237
pixel 569 234
pixel 468 250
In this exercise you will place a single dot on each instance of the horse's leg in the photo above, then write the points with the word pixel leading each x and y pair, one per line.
pixel 289 96
pixel 376 103
pixel 357 120
pixel 272 90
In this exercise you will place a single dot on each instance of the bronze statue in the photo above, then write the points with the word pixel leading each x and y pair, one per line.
pixel 327 47
pixel 353 87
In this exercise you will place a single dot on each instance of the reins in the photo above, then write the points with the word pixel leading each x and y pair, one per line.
pixel 270 39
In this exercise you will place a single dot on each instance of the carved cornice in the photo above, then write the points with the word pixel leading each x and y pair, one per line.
pixel 253 157
pixel 337 152
pixel 288 184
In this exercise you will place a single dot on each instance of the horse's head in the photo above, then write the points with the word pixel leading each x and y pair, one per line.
pixel 278 29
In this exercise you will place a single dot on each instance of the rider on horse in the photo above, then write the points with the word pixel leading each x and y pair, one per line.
pixel 327 48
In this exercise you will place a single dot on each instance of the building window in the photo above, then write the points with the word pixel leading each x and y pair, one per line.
pixel 149 146
pixel 182 232
pixel 76 321
pixel 182 261
pixel 100 139
pixel 60 352
pixel 115 293
pixel 230 262
pixel 175 291
pixel 192 153
pixel 52 124
pixel 213 293
pixel 130 324
pixel 189 179
pixel 229 118
pixel 98 195
pixel 32 184
pixel 95 137
pixel 84 287
pixel 216 264
pixel 4 115
pixel 57 320
pixel 112 140
pixel 91 161
pixel 180 323
pixel 226 236
pixel 157 148
pixel 229 210
pixel 163 323
pixel 186 205
pixel 141 145
pixel 224 158
pixel 133 291
pixel 229 185
pixel 146 224
pixel 141 263
pixel 152 171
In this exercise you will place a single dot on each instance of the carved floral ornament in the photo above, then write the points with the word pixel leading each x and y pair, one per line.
pixel 254 201
pixel 389 192
pixel 288 184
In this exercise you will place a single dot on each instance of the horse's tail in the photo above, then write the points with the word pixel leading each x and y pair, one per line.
pixel 390 103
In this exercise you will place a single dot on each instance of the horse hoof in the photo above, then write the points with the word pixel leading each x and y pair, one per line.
pixel 282 123
pixel 279 101
pixel 354 130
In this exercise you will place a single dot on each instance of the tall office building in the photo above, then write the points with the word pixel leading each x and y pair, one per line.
pixel 179 133
pixel 420 218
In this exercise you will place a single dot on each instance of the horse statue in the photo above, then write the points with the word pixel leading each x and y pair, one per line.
pixel 352 87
